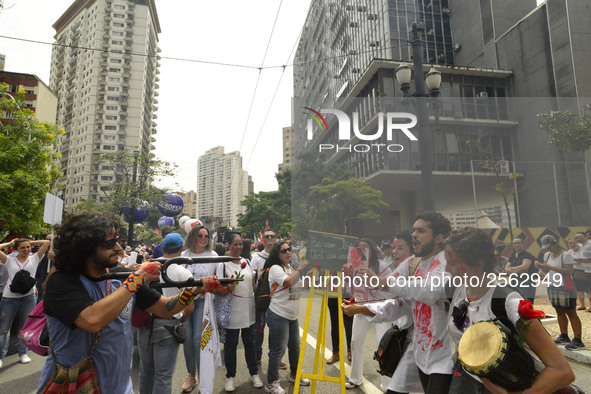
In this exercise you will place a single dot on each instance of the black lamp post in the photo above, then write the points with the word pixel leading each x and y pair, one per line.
pixel 433 82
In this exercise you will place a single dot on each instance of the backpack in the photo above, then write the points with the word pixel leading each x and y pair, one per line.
pixel 263 291
pixel 390 350
pixel 34 332
pixel 22 282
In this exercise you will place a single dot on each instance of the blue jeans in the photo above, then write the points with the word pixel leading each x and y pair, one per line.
pixel 192 346
pixel 158 353
pixel 249 350
pixel 283 333
pixel 9 308
pixel 259 333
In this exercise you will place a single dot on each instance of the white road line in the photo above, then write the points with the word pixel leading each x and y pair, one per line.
pixel 366 387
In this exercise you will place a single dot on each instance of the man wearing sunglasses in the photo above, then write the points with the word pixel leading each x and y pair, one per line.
pixel 79 304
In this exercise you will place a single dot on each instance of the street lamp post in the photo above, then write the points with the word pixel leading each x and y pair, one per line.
pixel 433 82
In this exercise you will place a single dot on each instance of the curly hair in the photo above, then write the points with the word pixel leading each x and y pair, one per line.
pixel 273 258
pixel 406 236
pixel 78 238
pixel 438 223
pixel 473 246
pixel 192 237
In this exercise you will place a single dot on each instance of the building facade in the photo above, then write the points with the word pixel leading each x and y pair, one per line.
pixel 107 95
pixel 189 204
pixel 38 97
pixel 288 139
pixel 221 185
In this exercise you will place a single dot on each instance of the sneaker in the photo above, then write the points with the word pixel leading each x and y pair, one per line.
pixel 229 386
pixel 189 385
pixel 303 381
pixel 335 357
pixel 274 388
pixel 256 381
pixel 24 359
pixel 350 385
pixel 563 338
pixel 576 344
pixel 282 366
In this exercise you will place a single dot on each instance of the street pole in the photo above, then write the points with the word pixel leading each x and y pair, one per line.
pixel 425 145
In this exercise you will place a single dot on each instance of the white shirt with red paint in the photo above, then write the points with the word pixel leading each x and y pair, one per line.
pixel 428 300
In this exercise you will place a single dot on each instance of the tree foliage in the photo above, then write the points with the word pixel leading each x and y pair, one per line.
pixel 567 130
pixel 28 159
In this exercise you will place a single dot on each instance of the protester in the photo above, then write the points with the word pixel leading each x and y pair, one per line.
pixel 470 251
pixel 18 295
pixel 197 244
pixel 79 305
pixel 158 252
pixel 558 265
pixel 158 347
pixel 581 278
pixel 521 267
pixel 282 315
pixel 246 249
pixel 242 315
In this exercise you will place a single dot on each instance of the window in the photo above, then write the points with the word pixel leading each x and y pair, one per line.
pixel 115 79
pixel 118 61
pixel 112 98
pixel 110 127
pixel 112 88
pixel 118 15
pixel 111 117
pixel 106 177
pixel 117 33
pixel 116 42
pixel 119 7
pixel 114 70
pixel 108 147
pixel 112 107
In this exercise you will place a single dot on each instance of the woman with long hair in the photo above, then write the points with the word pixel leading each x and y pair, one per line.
pixel 282 315
pixel 197 244
pixel 242 315
pixel 582 279
pixel 470 253
pixel 18 302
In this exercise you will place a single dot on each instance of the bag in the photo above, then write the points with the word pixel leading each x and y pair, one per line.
pixel 178 332
pixel 263 292
pixel 34 332
pixel 22 282
pixel 390 351
pixel 579 275
pixel 140 318
pixel 223 306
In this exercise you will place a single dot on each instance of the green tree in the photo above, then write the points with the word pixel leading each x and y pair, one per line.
pixel 28 159
pixel 332 204
pixel 567 130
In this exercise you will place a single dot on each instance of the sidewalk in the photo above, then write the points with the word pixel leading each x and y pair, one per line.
pixel 581 356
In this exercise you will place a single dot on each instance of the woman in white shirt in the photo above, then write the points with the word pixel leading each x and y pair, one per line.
pixel 242 315
pixel 23 303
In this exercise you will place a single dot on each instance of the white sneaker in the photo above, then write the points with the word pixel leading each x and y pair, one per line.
pixel 303 381
pixel 256 381
pixel 274 388
pixel 229 386
pixel 24 359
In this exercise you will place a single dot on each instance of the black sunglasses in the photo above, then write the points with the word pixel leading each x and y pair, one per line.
pixel 202 236
pixel 269 236
pixel 110 243
pixel 286 250
pixel 459 314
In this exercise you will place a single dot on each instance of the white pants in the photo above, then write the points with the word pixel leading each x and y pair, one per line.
pixel 360 328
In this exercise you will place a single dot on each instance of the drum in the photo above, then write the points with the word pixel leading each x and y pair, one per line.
pixel 487 351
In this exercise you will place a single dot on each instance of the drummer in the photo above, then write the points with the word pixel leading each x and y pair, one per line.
pixel 470 251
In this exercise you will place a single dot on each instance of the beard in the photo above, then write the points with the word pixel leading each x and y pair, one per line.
pixel 426 249
pixel 103 263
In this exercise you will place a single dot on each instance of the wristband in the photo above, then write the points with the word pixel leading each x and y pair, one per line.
pixel 186 297
pixel 133 282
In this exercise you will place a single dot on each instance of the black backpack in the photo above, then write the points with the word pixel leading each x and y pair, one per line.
pixel 263 292
pixel 390 351
pixel 22 282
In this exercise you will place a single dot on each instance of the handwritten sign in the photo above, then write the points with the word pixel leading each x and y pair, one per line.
pixel 329 250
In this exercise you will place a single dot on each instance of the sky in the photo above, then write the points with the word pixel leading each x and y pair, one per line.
pixel 200 105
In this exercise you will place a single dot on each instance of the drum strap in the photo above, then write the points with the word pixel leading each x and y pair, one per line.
pixel 497 306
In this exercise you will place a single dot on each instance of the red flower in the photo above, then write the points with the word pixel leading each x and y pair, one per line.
pixel 243 265
pixel 317 265
pixel 527 311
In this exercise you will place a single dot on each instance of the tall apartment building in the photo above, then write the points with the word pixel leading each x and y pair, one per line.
pixel 221 185
pixel 107 95
pixel 288 140
pixel 38 97
pixel 189 204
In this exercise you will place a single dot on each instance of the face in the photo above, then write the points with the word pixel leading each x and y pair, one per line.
pixel 107 253
pixel 423 242
pixel 580 238
pixel 269 238
pixel 454 265
pixel 401 250
pixel 236 247
pixel 387 251
pixel 518 245
pixel 285 254
pixel 24 249
pixel 202 239
pixel 572 244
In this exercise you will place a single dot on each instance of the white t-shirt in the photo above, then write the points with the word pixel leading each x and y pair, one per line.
pixel 258 260
pixel 13 266
pixel 561 261
pixel 285 303
pixel 177 273
pixel 585 253
pixel 576 255
pixel 200 270
pixel 243 310
pixel 427 299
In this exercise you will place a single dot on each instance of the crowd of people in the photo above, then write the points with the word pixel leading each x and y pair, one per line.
pixel 93 319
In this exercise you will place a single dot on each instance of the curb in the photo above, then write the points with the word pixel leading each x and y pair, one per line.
pixel 581 356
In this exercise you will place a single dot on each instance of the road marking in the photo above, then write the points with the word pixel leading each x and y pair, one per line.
pixel 366 387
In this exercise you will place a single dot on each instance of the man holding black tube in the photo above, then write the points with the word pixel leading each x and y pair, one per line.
pixel 79 304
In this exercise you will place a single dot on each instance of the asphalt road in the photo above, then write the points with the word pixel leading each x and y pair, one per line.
pixel 16 378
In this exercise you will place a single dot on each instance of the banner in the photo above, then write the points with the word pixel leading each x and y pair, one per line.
pixel 211 357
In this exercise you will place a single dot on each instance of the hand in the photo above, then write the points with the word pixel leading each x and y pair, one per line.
pixel 366 271
pixel 350 310
pixel 493 388
pixel 230 286
pixel 303 265
pixel 150 271
pixel 347 270
pixel 184 317
pixel 210 283
pixel 539 265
